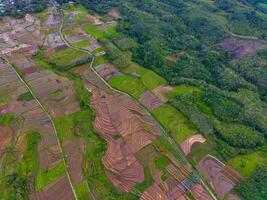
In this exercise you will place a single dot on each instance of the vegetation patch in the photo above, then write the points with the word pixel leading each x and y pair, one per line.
pixel 128 84
pixel 46 177
pixel 162 162
pixel 254 187
pixel 174 122
pixel 82 191
pixel 25 97
pixel 147 182
pixel 182 89
pixel 82 43
pixel 246 164
pixel 6 119
pixel 55 93
pixel 3 100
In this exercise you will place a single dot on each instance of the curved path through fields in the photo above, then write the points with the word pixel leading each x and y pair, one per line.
pixel 171 141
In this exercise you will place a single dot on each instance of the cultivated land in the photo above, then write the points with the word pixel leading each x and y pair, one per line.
pixel 80 120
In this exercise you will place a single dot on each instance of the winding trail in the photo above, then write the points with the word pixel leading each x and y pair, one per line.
pixel 48 115
pixel 166 135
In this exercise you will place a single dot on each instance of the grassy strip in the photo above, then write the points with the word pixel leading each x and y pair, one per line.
pixel 174 122
pixel 46 177
pixel 6 119
pixel 128 84
pixel 25 97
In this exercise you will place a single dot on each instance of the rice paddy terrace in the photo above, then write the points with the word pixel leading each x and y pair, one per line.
pixel 75 126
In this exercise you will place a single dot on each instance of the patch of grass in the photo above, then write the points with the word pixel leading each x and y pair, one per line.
pixel 74 124
pixel 56 93
pixel 64 126
pixel 67 57
pixel 174 122
pixel 150 79
pixel 25 97
pixel 147 182
pixel 82 191
pixel 3 100
pixel 182 89
pixel 82 43
pixel 246 164
pixel 94 31
pixel 162 162
pixel 97 50
pixel 44 178
pixel 116 137
pixel 163 146
pixel 198 151
pixel 28 165
pixel 128 84
pixel 100 60
pixel 107 32
pixel 6 119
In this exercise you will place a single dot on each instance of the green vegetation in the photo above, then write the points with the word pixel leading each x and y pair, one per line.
pixel 56 93
pixel 82 191
pixel 46 177
pixel 28 165
pixel 82 43
pixel 107 32
pixel 3 100
pixel 16 175
pixel 66 57
pixel 128 84
pixel 6 119
pixel 147 182
pixel 254 187
pixel 100 60
pixel 25 97
pixel 149 78
pixel 246 164
pixel 182 89
pixel 162 162
pixel 174 122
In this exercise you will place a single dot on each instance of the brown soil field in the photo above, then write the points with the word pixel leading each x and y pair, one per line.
pixel 240 48
pixel 107 71
pixel 187 144
pixel 121 162
pixel 223 178
pixel 74 150
pixel 149 100
pixel 154 193
pixel 200 193
pixel 56 191
pixel 159 92
pixel 6 134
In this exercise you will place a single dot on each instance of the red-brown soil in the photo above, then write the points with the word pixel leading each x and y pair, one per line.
pixel 240 48
pixel 174 188
pixel 159 92
pixel 154 193
pixel 200 193
pixel 107 71
pixel 56 191
pixel 122 164
pixel 74 150
pixel 5 137
pixel 149 100
pixel 117 116
pixel 223 178
pixel 187 144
